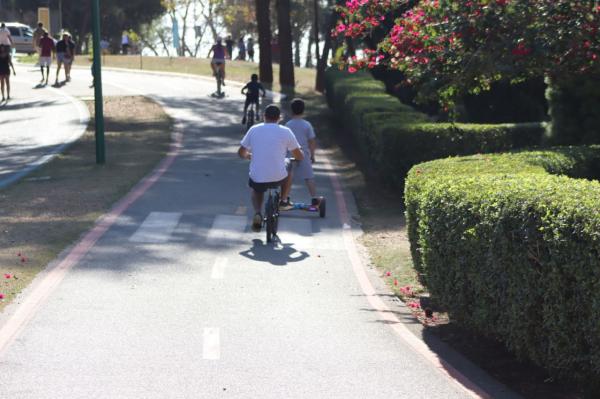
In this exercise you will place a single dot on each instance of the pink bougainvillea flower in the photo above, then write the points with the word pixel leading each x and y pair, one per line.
pixel 7 276
pixel 388 274
pixel 395 282
pixel 352 69
pixel 1 296
pixel 414 305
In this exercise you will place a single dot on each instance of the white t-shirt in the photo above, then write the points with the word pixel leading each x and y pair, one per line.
pixel 5 37
pixel 269 144
pixel 303 131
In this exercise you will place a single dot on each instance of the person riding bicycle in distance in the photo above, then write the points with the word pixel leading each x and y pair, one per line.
pixel 219 53
pixel 252 91
pixel 266 145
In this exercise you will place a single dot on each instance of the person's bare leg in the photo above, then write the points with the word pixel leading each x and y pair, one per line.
pixel 42 69
pixel 2 86
pixel 312 188
pixel 57 72
pixel 257 201
pixel 68 72
pixel 47 74
pixel 8 87
pixel 214 69
pixel 286 187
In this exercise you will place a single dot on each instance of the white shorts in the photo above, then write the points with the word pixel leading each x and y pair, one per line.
pixel 45 61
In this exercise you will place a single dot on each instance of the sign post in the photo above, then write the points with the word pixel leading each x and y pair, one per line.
pixel 98 98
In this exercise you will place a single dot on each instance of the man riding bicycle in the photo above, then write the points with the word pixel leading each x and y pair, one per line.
pixel 266 145
pixel 219 53
pixel 252 90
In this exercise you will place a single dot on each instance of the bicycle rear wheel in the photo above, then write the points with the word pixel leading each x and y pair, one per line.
pixel 270 219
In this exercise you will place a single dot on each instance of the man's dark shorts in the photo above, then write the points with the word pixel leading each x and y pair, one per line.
pixel 251 100
pixel 262 187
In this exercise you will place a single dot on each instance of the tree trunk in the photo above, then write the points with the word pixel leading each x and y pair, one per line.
pixel 309 63
pixel 322 58
pixel 286 63
pixel 263 22
pixel 297 40
pixel 316 30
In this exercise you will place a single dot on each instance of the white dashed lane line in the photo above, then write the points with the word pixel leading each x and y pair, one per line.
pixel 211 349
pixel 218 271
pixel 227 229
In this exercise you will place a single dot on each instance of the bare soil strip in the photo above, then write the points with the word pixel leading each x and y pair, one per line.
pixel 49 210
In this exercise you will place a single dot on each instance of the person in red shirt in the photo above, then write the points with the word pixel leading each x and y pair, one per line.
pixel 47 48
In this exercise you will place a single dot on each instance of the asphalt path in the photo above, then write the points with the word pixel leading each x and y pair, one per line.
pixel 35 125
pixel 172 295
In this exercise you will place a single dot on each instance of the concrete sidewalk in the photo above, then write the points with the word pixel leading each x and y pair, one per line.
pixel 35 125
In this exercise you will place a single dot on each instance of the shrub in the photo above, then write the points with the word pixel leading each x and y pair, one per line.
pixel 510 244
pixel 394 136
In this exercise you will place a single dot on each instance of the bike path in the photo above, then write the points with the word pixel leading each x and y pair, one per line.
pixel 35 125
pixel 179 299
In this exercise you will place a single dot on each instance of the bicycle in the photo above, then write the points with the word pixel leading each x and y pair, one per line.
pixel 251 115
pixel 219 76
pixel 271 215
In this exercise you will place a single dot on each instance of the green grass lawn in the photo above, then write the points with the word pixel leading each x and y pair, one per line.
pixel 236 70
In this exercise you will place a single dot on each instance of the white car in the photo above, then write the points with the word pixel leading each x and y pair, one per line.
pixel 22 37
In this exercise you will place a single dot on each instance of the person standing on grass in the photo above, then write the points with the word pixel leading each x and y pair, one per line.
pixel 5 37
pixel 250 48
pixel 5 66
pixel 241 49
pixel 38 33
pixel 229 45
pixel 125 42
pixel 47 49
pixel 65 54
pixel 305 134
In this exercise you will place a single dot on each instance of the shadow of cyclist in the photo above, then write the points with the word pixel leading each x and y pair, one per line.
pixel 279 255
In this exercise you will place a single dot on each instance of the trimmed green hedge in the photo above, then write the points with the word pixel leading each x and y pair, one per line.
pixel 510 244
pixel 394 136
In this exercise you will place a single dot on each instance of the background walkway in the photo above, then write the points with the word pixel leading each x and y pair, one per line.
pixel 35 125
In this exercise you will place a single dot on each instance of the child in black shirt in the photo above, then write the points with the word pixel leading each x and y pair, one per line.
pixel 252 91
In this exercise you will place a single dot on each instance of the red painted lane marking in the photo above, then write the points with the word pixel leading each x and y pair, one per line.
pixel 39 295
pixel 381 307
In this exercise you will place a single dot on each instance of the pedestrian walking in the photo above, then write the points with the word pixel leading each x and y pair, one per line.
pixel 241 49
pixel 229 45
pixel 5 37
pixel 5 66
pixel 65 55
pixel 250 48
pixel 38 33
pixel 47 49
pixel 125 43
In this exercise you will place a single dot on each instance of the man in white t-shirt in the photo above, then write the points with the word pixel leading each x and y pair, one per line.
pixel 5 37
pixel 266 146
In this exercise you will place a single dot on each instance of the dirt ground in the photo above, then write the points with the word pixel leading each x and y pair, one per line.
pixel 49 210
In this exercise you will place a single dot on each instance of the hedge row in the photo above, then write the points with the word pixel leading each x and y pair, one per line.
pixel 394 137
pixel 510 243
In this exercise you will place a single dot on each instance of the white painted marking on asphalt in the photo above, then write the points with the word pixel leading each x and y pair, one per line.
pixel 157 228
pixel 212 344
pixel 226 228
pixel 297 232
pixel 241 210
pixel 218 271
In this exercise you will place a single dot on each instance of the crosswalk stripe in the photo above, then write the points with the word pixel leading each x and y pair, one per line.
pixel 156 228
pixel 226 228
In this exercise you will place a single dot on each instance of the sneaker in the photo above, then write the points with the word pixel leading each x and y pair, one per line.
pixel 285 205
pixel 257 222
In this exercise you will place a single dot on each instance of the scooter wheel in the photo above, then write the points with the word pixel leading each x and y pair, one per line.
pixel 322 208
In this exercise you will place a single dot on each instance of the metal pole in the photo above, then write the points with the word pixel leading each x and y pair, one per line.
pixel 98 99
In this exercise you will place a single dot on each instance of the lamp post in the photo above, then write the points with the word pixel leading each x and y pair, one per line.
pixel 98 99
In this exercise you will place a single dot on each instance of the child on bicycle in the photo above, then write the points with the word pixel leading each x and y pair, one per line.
pixel 252 91
pixel 305 135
